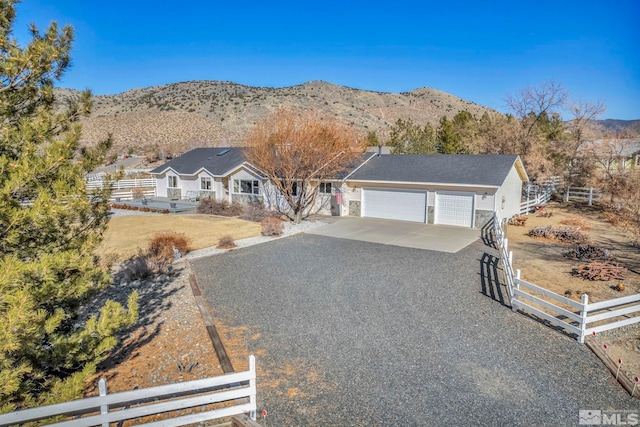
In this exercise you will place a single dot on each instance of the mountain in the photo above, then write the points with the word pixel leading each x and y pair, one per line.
pixel 619 126
pixel 180 116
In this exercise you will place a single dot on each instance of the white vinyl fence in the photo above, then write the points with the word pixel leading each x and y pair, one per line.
pixel 584 194
pixel 537 195
pixel 237 389
pixel 579 318
pixel 123 183
pixel 124 188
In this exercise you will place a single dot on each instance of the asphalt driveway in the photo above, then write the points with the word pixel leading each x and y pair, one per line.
pixel 443 238
pixel 355 333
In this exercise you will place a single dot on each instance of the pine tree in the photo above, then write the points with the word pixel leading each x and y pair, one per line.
pixel 50 225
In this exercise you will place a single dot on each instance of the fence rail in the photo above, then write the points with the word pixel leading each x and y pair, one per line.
pixel 579 318
pixel 584 194
pixel 537 195
pixel 237 388
pixel 123 183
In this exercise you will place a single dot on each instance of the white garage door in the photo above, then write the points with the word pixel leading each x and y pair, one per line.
pixel 454 209
pixel 394 204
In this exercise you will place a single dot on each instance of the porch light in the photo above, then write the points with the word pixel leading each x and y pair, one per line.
pixel 503 200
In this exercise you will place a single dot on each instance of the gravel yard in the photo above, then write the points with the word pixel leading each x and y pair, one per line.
pixel 353 333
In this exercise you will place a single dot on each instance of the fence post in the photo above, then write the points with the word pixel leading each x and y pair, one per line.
pixel 583 317
pixel 252 385
pixel 566 196
pixel 590 196
pixel 516 286
pixel 104 409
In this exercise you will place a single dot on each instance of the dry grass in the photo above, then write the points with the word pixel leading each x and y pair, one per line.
pixel 127 234
pixel 574 221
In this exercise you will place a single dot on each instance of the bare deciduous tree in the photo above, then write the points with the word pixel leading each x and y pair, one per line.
pixel 534 104
pixel 298 151
pixel 583 112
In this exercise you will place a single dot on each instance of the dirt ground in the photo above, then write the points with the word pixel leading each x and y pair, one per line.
pixel 541 262
pixel 169 343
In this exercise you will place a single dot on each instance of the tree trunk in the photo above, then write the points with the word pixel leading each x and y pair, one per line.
pixel 297 217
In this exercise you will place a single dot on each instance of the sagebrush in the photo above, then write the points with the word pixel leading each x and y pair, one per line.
pixel 162 249
pixel 256 212
pixel 219 207
pixel 226 242
pixel 272 226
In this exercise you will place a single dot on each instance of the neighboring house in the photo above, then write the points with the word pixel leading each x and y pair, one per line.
pixel 612 154
pixel 221 173
pixel 461 190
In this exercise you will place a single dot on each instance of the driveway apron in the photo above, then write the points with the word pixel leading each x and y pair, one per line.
pixel 400 233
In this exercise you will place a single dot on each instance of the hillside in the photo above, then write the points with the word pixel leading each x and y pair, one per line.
pixel 175 117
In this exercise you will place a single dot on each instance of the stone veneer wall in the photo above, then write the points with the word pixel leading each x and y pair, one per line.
pixel 430 212
pixel 174 193
pixel 245 199
pixel 482 218
pixel 354 208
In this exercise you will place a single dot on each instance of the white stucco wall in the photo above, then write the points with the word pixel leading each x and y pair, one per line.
pixel 482 202
pixel 511 190
pixel 161 185
pixel 188 183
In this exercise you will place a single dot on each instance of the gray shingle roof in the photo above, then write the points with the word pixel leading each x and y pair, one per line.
pixel 463 169
pixel 208 158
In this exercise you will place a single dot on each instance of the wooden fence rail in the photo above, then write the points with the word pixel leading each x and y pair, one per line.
pixel 238 389
pixel 579 318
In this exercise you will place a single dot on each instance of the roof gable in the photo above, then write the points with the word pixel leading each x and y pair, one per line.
pixel 217 161
pixel 451 169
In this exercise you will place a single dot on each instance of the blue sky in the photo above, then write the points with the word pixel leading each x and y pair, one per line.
pixel 479 51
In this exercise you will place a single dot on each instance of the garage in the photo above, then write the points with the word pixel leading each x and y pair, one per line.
pixel 404 205
pixel 454 209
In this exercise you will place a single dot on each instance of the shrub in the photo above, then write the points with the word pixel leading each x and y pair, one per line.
pixel 108 259
pixel 272 226
pixel 256 212
pixel 162 249
pixel 226 242
pixel 137 193
pixel 138 267
pixel 219 207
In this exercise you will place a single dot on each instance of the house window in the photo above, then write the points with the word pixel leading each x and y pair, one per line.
pixel 173 182
pixel 205 183
pixel 324 188
pixel 245 186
